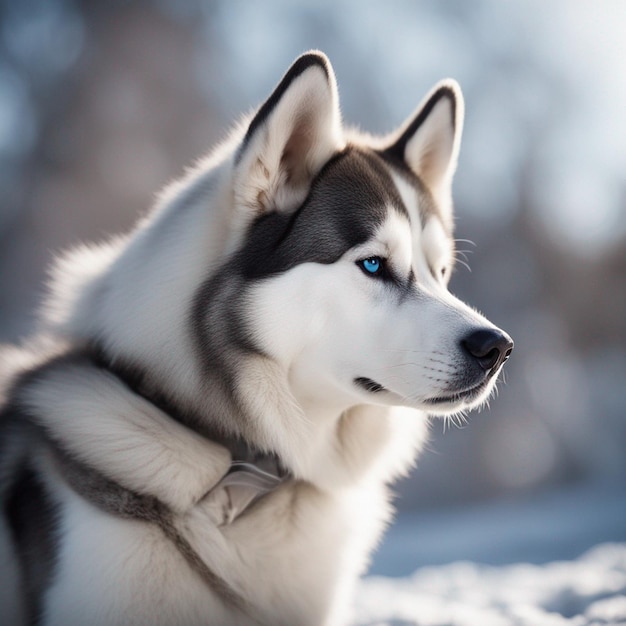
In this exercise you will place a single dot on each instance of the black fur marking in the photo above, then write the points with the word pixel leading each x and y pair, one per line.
pixel 348 201
pixel 369 385
pixel 32 517
pixel 301 64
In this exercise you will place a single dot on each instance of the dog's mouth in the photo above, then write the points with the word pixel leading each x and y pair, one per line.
pixel 369 385
pixel 465 396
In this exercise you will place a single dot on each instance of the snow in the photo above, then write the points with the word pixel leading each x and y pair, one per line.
pixel 590 590
pixel 558 558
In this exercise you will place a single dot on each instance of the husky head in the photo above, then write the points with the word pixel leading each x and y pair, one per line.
pixel 300 271
pixel 348 253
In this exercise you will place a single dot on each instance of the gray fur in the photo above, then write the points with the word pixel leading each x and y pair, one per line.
pixel 32 513
pixel 112 498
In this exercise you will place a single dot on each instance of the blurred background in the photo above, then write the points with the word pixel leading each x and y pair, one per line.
pixel 102 103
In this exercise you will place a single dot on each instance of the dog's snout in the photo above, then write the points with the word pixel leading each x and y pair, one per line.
pixel 489 346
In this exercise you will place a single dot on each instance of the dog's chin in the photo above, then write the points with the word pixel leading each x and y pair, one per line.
pixel 459 401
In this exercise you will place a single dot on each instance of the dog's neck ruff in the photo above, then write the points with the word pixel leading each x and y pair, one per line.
pixel 252 473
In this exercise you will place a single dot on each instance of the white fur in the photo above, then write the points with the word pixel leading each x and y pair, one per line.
pixel 284 569
pixel 125 437
pixel 295 555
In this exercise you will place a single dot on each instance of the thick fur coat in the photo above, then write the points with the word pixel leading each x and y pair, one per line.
pixel 283 305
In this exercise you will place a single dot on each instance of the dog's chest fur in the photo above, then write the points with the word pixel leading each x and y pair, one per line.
pixel 136 524
pixel 308 543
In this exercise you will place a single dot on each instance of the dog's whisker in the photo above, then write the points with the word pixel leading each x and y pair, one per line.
pixel 469 241
pixel 464 264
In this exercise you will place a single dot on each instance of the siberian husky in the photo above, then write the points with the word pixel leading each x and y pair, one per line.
pixel 205 428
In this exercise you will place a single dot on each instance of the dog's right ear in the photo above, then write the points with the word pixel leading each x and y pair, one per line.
pixel 289 139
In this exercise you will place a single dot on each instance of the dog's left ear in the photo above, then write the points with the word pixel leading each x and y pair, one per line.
pixel 290 138
pixel 429 141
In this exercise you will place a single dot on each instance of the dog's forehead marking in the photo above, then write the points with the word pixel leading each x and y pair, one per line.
pixel 363 182
pixel 348 202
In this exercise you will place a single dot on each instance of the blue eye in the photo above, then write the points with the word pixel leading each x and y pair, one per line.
pixel 372 266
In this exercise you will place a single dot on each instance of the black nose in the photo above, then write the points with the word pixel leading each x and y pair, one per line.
pixel 489 346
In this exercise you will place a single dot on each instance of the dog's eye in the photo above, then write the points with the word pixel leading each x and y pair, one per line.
pixel 372 266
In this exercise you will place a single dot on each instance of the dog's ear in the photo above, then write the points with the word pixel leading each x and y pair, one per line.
pixel 290 138
pixel 429 140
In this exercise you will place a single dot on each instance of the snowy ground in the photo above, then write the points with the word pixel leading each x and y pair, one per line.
pixel 588 591
pixel 525 568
